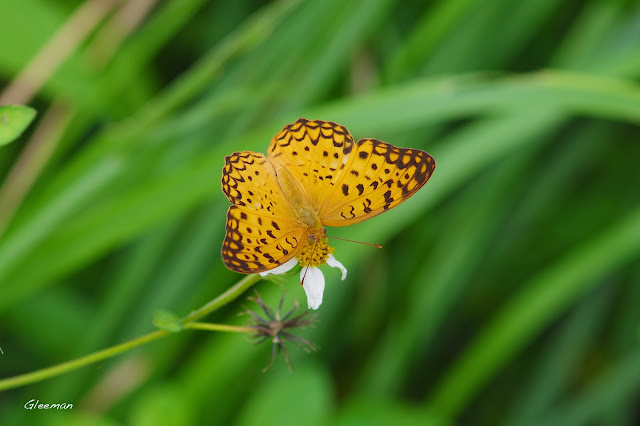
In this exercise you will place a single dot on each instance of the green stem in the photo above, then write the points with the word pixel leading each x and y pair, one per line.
pixel 219 327
pixel 187 322
pixel 226 297
pixel 45 373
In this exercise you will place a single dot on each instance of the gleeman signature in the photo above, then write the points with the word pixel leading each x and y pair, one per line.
pixel 34 404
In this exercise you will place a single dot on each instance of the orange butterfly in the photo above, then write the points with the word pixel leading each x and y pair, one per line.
pixel 313 176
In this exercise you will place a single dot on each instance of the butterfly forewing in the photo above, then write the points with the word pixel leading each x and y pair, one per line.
pixel 248 180
pixel 315 152
pixel 378 177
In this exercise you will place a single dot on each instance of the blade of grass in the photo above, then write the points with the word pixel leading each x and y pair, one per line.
pixel 49 211
pixel 129 214
pixel 122 75
pixel 127 283
pixel 437 285
pixel 617 383
pixel 432 27
pixel 539 301
pixel 554 371
pixel 56 51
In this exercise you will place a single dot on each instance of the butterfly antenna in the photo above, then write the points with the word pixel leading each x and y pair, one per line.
pixel 357 242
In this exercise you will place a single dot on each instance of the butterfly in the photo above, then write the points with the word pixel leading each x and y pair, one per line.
pixel 313 176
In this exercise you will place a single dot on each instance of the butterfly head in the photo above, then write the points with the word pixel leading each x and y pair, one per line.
pixel 317 234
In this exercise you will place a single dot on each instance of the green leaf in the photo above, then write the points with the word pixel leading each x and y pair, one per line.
pixel 13 120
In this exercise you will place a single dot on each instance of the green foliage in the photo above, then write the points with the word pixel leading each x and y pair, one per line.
pixel 13 120
pixel 506 292
pixel 270 403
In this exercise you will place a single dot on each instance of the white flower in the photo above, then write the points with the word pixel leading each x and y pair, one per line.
pixel 311 277
pixel 285 267
pixel 313 283
pixel 333 262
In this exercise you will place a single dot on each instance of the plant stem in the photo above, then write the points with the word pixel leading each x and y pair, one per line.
pixel 187 322
pixel 219 327
pixel 226 297
pixel 45 373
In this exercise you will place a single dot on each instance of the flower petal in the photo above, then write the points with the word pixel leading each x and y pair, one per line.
pixel 313 285
pixel 285 267
pixel 331 261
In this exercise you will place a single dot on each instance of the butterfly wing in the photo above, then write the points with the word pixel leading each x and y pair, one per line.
pixel 343 183
pixel 377 177
pixel 256 243
pixel 248 181
pixel 315 153
pixel 261 232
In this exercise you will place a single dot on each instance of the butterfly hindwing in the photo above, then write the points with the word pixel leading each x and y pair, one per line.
pixel 256 243
pixel 377 177
pixel 261 230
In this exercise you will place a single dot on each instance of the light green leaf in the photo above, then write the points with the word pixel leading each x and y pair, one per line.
pixel 13 120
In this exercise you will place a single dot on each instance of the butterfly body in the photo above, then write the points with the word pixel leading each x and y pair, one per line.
pixel 299 202
pixel 313 176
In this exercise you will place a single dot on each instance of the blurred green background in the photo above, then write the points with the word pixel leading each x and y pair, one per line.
pixel 507 290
